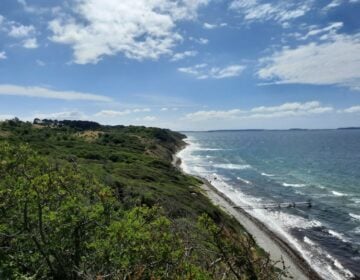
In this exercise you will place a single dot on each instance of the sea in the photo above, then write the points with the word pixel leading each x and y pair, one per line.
pixel 262 170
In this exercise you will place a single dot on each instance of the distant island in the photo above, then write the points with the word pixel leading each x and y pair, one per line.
pixel 289 129
pixel 348 128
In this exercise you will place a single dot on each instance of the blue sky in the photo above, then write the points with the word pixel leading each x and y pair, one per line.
pixel 182 64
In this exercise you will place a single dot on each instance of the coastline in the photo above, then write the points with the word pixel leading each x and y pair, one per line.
pixel 269 241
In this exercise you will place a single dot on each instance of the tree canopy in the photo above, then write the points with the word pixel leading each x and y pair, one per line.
pixel 62 218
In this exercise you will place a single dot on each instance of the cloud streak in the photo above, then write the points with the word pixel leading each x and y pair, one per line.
pixel 65 115
pixel 285 110
pixel 114 113
pixel 210 26
pixel 42 92
pixel 351 110
pixel 278 11
pixel 183 55
pixel 203 71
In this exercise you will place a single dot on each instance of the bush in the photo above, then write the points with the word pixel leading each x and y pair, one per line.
pixel 132 216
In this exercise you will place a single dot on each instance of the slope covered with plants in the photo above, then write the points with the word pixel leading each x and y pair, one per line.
pixel 84 201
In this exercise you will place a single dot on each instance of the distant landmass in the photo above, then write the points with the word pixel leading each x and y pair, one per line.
pixel 348 128
pixel 290 129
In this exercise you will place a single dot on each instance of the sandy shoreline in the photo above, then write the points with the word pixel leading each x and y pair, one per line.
pixel 264 237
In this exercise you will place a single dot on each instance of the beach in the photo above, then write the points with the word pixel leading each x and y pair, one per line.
pixel 265 238
pixel 270 242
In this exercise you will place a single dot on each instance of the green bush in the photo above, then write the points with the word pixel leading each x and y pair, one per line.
pixel 77 209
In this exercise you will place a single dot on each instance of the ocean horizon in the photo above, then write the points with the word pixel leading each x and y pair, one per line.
pixel 271 167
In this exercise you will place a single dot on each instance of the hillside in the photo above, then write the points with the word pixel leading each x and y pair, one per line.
pixel 84 201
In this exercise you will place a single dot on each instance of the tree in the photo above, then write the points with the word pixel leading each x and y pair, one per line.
pixel 47 212
pixel 57 221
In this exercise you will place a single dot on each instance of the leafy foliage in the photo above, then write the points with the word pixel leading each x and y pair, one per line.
pixel 108 204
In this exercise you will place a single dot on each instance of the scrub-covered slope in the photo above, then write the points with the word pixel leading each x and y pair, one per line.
pixel 84 201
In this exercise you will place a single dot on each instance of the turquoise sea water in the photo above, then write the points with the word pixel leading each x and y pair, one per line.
pixel 260 167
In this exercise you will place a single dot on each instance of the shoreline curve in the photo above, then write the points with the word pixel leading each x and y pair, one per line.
pixel 273 244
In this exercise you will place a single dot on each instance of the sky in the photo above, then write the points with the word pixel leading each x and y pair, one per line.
pixel 182 64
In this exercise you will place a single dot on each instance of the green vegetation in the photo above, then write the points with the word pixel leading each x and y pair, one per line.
pixel 108 204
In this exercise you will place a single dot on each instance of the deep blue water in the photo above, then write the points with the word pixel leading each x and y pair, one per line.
pixel 257 167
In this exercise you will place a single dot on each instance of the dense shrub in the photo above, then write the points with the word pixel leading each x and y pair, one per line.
pixel 125 214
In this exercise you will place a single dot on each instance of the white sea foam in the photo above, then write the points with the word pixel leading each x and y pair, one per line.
pixel 289 221
pixel 355 200
pixel 233 166
pixel 267 175
pixel 299 192
pixel 280 223
pixel 356 230
pixel 338 235
pixel 340 272
pixel 307 240
pixel 355 216
pixel 277 221
pixel 243 180
pixel 338 193
pixel 294 185
pixel 320 186
pixel 345 272
pixel 209 149
pixel 338 264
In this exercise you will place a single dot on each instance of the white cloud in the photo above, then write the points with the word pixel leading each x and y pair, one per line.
pixel 141 110
pixel 201 41
pixel 139 29
pixel 181 56
pixel 295 106
pixel 329 31
pixel 207 25
pixel 3 55
pixel 6 117
pixel 335 61
pixel 208 115
pixel 40 62
pixel 38 10
pixel 278 11
pixel 333 4
pixel 203 71
pixel 353 109
pixel 285 110
pixel 30 43
pixel 20 31
pixel 41 92
pixel 147 119
pixel 66 115
pixel 16 30
pixel 113 113
pixel 165 109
